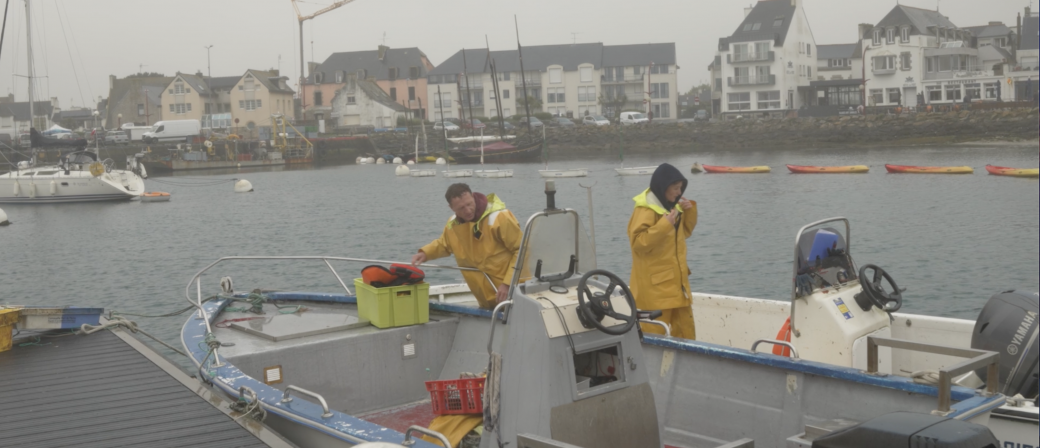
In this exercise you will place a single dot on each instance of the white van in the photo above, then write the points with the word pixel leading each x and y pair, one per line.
pixel 173 130
pixel 634 118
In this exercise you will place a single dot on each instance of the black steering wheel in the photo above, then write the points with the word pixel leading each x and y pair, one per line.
pixel 874 290
pixel 591 312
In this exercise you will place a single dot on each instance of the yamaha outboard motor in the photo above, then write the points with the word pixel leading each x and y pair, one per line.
pixel 1008 325
pixel 906 430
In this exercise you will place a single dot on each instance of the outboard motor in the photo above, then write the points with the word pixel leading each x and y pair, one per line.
pixel 906 429
pixel 1008 325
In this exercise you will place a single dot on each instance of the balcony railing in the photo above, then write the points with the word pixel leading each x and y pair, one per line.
pixel 755 80
pixel 625 79
pixel 768 56
pixel 968 72
pixel 883 71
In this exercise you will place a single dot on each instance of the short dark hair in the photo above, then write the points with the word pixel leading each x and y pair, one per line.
pixel 456 190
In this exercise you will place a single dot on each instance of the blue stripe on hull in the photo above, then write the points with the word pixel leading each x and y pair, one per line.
pixel 63 199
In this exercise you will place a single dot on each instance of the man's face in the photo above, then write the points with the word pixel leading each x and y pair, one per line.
pixel 464 207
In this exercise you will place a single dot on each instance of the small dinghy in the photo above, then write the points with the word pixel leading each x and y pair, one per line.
pixel 799 169
pixel 1012 172
pixel 736 169
pixel 929 169
pixel 155 196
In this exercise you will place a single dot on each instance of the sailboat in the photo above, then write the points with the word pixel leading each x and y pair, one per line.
pixel 79 176
pixel 417 172
pixel 633 171
pixel 547 173
pixel 489 174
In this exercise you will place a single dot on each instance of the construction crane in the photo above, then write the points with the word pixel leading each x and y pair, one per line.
pixel 301 18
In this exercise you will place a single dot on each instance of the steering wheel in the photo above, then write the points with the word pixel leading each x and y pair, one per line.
pixel 874 290
pixel 598 305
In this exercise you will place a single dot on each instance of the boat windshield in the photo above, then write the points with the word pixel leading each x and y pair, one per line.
pixel 822 256
pixel 551 242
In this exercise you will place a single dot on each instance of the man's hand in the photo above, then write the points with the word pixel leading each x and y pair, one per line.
pixel 685 204
pixel 503 293
pixel 671 217
pixel 419 258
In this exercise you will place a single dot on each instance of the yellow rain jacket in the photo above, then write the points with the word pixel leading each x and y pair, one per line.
pixel 660 273
pixel 490 244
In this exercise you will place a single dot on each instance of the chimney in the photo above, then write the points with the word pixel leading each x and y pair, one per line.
pixel 111 82
pixel 864 31
pixel 382 51
pixel 311 67
pixel 1018 35
pixel 996 23
pixel 747 11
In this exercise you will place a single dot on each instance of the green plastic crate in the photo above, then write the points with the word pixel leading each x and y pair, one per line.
pixel 396 306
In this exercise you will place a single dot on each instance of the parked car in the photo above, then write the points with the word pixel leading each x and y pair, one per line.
pixel 23 140
pixel 445 126
pixel 535 123
pixel 116 138
pixel 595 120
pixel 473 124
pixel 701 115
pixel 508 126
pixel 561 122
pixel 628 118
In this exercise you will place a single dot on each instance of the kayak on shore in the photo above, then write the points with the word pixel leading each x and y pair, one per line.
pixel 1013 172
pixel 736 169
pixel 929 169
pixel 800 169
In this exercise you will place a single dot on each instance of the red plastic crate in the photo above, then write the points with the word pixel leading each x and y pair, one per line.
pixel 462 396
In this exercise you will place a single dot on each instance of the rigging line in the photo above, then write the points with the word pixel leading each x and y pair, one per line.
pixel 3 30
pixel 72 61
pixel 39 27
pixel 75 44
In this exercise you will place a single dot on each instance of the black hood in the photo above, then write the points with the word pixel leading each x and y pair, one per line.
pixel 664 176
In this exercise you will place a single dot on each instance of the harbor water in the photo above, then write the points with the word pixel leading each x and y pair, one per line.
pixel 951 240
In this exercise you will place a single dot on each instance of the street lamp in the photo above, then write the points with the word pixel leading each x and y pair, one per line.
pixel 209 72
pixel 120 117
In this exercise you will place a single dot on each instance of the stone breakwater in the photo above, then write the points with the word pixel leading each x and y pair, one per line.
pixel 871 130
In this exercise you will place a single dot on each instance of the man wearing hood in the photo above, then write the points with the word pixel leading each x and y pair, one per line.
pixel 661 222
pixel 482 235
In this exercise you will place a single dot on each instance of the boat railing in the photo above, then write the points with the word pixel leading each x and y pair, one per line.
pixel 429 432
pixel 976 359
pixel 197 280
pixel 324 405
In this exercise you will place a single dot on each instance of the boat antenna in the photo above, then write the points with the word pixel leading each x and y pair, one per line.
pixel 523 74
pixel 469 93
pixel 494 83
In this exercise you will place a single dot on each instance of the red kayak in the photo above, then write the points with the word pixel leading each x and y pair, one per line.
pixel 929 169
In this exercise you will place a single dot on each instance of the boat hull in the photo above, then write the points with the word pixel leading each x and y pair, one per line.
pixel 17 187
pixel 549 174
pixel 929 169
pixel 492 174
pixel 452 174
pixel 851 169
pixel 1013 172
pixel 521 154
pixel 166 166
pixel 737 169
pixel 636 171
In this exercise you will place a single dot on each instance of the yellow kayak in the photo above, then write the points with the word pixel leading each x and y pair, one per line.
pixel 828 169
pixel 736 169
pixel 929 169
pixel 1012 172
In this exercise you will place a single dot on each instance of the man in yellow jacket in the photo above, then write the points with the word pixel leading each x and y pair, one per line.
pixel 482 235
pixel 661 222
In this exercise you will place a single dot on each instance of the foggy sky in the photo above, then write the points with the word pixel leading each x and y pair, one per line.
pixel 103 37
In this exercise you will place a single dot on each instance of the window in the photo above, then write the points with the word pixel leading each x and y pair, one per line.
pixel 877 96
pixel 992 90
pixel 659 90
pixel 808 49
pixel 808 71
pixel 555 75
pixel 740 53
pixel 905 34
pixel 208 109
pixel 393 93
pixel 904 61
pixel 586 74
pixel 747 27
pixel 929 65
pixel 740 101
pixel 392 73
pixel 769 100
pixel 241 87
pixel 411 94
pixel 619 73
pixel 890 36
pixel 944 63
pixel 894 96
pixel 505 94
pixel 413 73
pixel 762 72
pixel 586 94
pixel 762 50
pixel 178 88
pixel 756 26
pixel 317 98
pixel 637 70
pixel 662 110
pixel 884 63
pixel 877 37
pixel 741 75
pixel 953 93
pixel 779 22
pixel 934 93
pixel 1000 41
pixel 339 76
pixel 187 90
pixel 351 100
pixel 973 91
pixel 843 96
pixel 171 108
pixel 140 109
pixel 556 95
pixel 581 94
pixel 718 84
pixel 258 105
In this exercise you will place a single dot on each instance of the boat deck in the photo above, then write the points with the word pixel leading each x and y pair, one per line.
pixel 108 389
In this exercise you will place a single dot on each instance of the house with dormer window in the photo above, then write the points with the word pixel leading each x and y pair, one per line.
pixel 764 62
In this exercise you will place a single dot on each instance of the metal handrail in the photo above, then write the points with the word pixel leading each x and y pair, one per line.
pixel 978 359
pixel 416 428
pixel 667 329
pixel 494 319
pixel 324 406
pixel 794 352
pixel 797 239
pixel 197 279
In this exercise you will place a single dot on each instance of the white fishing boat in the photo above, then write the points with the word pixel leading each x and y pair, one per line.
pixel 78 177
pixel 550 174
pixel 492 174
pixel 636 171
pixel 457 173
pixel 422 173
pixel 567 365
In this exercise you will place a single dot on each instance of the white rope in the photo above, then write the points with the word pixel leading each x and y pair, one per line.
pixel 117 321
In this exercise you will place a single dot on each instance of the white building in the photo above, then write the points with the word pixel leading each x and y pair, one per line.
pixel 764 62
pixel 364 104
pixel 566 80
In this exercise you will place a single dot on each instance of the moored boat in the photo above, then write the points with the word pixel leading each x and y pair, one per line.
pixel 737 169
pixel 635 170
pixel 929 169
pixel 576 172
pixel 155 196
pixel 1013 172
pixel 802 169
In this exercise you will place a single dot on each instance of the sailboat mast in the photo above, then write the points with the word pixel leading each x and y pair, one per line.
pixel 523 74
pixel 469 93
pixel 29 52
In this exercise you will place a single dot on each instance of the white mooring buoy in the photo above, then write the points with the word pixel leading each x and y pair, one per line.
pixel 411 162
pixel 380 161
pixel 243 186
pixel 402 170
pixel 441 161
pixel 3 218
pixel 398 161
